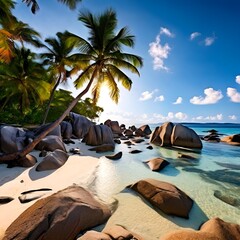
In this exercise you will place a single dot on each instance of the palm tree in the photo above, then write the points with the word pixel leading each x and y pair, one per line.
pixel 14 31
pixel 104 51
pixel 6 7
pixel 72 4
pixel 23 81
pixel 59 57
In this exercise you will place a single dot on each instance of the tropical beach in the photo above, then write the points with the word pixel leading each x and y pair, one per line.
pixel 104 132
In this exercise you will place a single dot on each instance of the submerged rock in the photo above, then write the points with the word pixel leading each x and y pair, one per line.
pixel 227 197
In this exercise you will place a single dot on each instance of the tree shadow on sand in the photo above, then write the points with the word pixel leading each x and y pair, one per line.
pixel 9 174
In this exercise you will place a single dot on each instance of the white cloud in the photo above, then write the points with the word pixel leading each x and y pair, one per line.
pixel 217 117
pixel 233 94
pixel 169 117
pixel 238 79
pixel 160 52
pixel 178 101
pixel 159 98
pixel 211 96
pixel 166 31
pixel 194 35
pixel 147 95
pixel 232 117
pixel 208 41
pixel 181 116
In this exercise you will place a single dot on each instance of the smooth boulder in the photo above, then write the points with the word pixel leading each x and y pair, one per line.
pixel 213 229
pixel 183 136
pixel 80 125
pixel 53 160
pixel 51 143
pixel 66 130
pixel 165 196
pixel 233 139
pixel 60 216
pixel 146 129
pixel 157 164
pixel 98 135
pixel 12 139
pixel 162 135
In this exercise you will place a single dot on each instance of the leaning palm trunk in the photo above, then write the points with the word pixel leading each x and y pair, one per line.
pixel 31 146
pixel 51 99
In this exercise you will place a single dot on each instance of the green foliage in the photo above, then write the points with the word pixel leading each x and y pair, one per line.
pixel 61 101
pixel 34 115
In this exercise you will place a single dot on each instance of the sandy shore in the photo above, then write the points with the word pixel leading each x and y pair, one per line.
pixel 13 181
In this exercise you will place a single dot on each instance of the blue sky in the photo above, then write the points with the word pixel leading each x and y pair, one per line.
pixel 191 56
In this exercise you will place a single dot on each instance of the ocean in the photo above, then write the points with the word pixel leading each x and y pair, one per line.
pixel 212 180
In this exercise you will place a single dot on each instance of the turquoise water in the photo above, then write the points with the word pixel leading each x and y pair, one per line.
pixel 215 170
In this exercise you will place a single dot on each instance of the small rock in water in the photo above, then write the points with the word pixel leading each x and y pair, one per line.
pixel 75 150
pixel 150 147
pixel 115 157
pixel 135 151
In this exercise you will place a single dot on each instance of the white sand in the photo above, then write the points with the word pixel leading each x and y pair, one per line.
pixel 78 169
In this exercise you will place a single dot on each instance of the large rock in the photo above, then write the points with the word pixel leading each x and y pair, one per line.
pixel 165 196
pixel 56 131
pixel 183 136
pixel 98 135
pixel 66 130
pixel 12 139
pixel 213 229
pixel 233 139
pixel 53 160
pixel 115 232
pixel 162 135
pixel 51 143
pixel 60 216
pixel 146 129
pixel 80 124
pixel 114 125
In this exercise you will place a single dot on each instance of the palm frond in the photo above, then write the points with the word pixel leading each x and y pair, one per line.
pixel 119 75
pixel 114 91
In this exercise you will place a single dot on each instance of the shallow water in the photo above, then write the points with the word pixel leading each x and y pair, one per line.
pixel 215 168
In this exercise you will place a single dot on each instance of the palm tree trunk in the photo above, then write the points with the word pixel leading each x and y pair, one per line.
pixel 30 147
pixel 50 99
